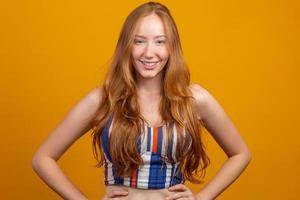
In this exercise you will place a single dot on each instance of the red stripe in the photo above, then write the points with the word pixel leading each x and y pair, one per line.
pixel 154 145
pixel 133 179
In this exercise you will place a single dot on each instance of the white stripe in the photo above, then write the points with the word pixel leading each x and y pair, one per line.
pixel 168 175
pixel 151 136
pixel 164 152
pixel 110 177
pixel 109 130
pixel 174 143
pixel 126 181
pixel 144 140
pixel 144 170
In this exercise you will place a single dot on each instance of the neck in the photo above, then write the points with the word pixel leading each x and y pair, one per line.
pixel 150 86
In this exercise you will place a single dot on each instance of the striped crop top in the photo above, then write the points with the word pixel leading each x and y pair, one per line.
pixel 156 173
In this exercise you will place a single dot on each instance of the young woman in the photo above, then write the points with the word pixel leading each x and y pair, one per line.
pixel 146 120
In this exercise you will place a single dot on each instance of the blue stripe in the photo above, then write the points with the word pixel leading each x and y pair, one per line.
pixel 105 144
pixel 172 174
pixel 177 176
pixel 170 146
pixel 104 137
pixel 170 150
pixel 148 139
pixel 160 140
pixel 139 142
pixel 163 169
pixel 118 180
pixel 158 166
pixel 157 174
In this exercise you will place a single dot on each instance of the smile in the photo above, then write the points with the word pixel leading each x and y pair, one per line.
pixel 149 64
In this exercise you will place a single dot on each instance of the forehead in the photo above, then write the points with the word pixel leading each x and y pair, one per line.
pixel 150 26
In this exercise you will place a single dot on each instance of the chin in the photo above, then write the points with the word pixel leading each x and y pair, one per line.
pixel 148 74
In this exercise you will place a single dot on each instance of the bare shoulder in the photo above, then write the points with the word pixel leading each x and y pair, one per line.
pixel 207 105
pixel 201 96
pixel 93 97
pixel 198 92
pixel 88 103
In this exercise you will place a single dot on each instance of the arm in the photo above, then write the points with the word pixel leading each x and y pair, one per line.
pixel 73 126
pixel 227 136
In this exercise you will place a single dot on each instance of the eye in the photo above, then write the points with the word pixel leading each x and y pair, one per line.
pixel 160 42
pixel 138 41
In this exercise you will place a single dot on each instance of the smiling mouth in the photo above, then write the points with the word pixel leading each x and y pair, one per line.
pixel 149 64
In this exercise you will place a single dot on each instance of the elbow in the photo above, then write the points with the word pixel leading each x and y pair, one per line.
pixel 39 160
pixel 248 156
pixel 244 156
pixel 35 162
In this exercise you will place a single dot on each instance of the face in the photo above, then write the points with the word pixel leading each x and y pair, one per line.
pixel 149 52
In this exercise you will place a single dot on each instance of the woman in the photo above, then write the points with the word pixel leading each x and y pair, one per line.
pixel 146 121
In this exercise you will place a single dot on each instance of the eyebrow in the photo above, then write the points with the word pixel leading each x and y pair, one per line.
pixel 154 37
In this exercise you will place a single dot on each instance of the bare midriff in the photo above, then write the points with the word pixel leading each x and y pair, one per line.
pixel 140 194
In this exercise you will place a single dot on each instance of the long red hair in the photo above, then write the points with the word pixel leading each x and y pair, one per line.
pixel 119 97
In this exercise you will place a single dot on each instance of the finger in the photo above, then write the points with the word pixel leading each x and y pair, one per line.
pixel 177 195
pixel 177 187
pixel 183 198
pixel 111 198
pixel 115 193
pixel 108 198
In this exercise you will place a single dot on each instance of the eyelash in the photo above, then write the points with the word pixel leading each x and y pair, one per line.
pixel 141 41
pixel 138 41
pixel 160 41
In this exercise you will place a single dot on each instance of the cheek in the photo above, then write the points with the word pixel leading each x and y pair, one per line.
pixel 136 52
pixel 164 53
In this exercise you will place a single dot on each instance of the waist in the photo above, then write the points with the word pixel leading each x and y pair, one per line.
pixel 140 194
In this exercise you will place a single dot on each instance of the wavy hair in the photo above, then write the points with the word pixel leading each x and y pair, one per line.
pixel 119 97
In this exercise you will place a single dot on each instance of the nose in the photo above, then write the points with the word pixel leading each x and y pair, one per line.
pixel 149 51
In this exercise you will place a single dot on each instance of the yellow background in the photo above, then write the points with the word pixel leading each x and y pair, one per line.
pixel 246 53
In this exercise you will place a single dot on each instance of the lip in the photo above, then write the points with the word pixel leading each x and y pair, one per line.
pixel 149 61
pixel 150 64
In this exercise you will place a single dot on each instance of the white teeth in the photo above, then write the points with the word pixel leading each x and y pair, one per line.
pixel 149 64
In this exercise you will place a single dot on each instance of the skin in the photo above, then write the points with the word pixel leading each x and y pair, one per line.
pixel 75 124
pixel 150 46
